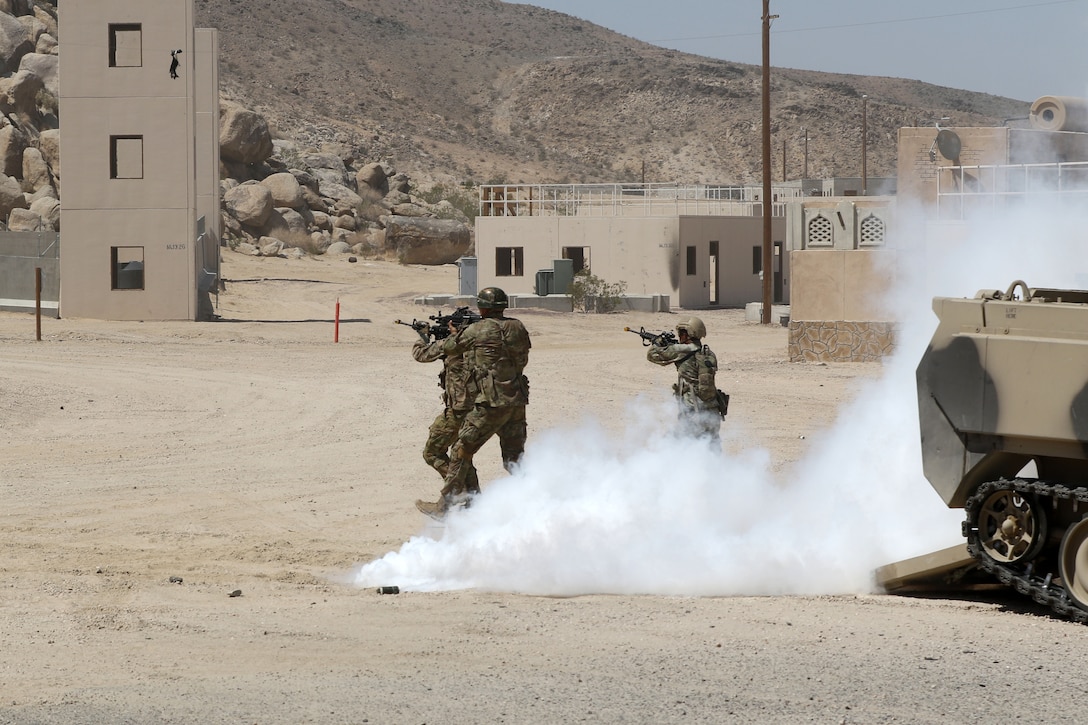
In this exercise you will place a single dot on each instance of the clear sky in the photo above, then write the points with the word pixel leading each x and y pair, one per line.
pixel 1022 49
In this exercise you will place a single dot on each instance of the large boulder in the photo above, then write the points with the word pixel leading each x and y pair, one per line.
pixel 47 45
pixel 46 67
pixel 372 176
pixel 314 201
pixel 400 182
pixel 411 209
pixel 47 20
pixel 25 220
pixel 11 196
pixel 251 204
pixel 14 43
pixel 48 209
pixel 243 134
pixel 35 28
pixel 324 161
pixel 282 222
pixel 22 91
pixel 12 144
pixel 426 241
pixel 16 7
pixel 49 144
pixel 285 189
pixel 345 201
pixel 35 170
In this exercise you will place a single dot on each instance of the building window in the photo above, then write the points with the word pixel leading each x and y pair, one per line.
pixel 126 268
pixel 757 260
pixel 509 262
pixel 691 260
pixel 126 157
pixel 126 45
pixel 872 231
pixel 579 255
pixel 820 232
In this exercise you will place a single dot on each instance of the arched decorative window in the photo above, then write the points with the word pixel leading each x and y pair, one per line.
pixel 871 231
pixel 820 232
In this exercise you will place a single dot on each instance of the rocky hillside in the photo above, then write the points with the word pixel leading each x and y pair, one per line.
pixel 482 90
pixel 372 103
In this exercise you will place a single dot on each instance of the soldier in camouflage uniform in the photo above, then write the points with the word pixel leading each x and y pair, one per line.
pixel 497 350
pixel 701 406
pixel 458 395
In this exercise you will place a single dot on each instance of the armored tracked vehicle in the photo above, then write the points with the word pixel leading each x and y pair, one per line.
pixel 1003 411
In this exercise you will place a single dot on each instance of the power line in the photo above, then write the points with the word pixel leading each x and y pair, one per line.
pixel 872 22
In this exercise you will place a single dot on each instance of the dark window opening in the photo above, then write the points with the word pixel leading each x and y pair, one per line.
pixel 126 268
pixel 126 157
pixel 126 45
pixel 579 255
pixel 509 262
pixel 757 260
pixel 691 260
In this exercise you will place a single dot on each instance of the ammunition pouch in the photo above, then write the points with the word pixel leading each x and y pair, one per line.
pixel 723 403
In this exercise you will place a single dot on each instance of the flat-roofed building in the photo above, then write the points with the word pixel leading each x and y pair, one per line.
pixel 139 93
pixel 697 246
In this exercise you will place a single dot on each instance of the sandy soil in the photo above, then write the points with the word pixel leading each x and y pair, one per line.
pixel 256 454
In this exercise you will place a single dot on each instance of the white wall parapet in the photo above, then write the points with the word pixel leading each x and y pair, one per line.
pixel 630 200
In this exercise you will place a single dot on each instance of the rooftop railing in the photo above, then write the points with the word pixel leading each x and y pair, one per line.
pixel 629 200
pixel 963 191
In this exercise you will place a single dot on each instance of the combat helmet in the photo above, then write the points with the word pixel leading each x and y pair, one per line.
pixel 492 298
pixel 693 326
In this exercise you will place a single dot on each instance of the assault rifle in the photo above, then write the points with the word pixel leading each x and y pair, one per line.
pixel 661 339
pixel 440 329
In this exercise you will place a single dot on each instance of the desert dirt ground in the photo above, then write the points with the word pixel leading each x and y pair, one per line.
pixel 254 454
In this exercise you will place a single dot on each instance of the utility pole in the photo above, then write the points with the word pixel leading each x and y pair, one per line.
pixel 784 141
pixel 805 132
pixel 768 274
pixel 864 144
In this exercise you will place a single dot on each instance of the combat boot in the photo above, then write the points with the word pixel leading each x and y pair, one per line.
pixel 436 510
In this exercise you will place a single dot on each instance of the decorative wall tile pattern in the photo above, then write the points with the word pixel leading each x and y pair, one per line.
pixel 840 341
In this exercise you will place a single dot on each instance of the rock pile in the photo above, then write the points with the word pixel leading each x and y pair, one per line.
pixel 279 200
pixel 29 129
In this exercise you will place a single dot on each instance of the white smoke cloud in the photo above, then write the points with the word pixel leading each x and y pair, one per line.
pixel 641 512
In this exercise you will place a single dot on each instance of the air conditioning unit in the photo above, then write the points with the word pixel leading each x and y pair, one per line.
pixel 544 282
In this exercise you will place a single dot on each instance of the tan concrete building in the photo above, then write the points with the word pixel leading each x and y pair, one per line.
pixel 962 162
pixel 842 263
pixel 139 94
pixel 698 246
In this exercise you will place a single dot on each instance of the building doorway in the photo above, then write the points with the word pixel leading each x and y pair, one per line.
pixel 776 264
pixel 713 270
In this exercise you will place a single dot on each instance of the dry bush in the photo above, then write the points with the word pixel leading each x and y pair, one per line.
pixel 370 208
pixel 302 240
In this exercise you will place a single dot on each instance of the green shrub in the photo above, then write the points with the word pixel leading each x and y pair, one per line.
pixel 590 293
pixel 464 198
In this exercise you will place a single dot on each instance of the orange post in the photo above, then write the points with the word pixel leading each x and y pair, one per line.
pixel 336 326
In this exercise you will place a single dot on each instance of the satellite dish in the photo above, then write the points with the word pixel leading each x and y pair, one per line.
pixel 948 143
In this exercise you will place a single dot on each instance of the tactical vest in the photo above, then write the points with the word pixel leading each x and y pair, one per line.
pixel 696 373
pixel 500 352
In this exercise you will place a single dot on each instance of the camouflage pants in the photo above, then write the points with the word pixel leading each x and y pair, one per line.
pixel 441 435
pixel 699 422
pixel 479 425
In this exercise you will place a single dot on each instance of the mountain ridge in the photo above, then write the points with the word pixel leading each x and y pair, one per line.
pixel 488 91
